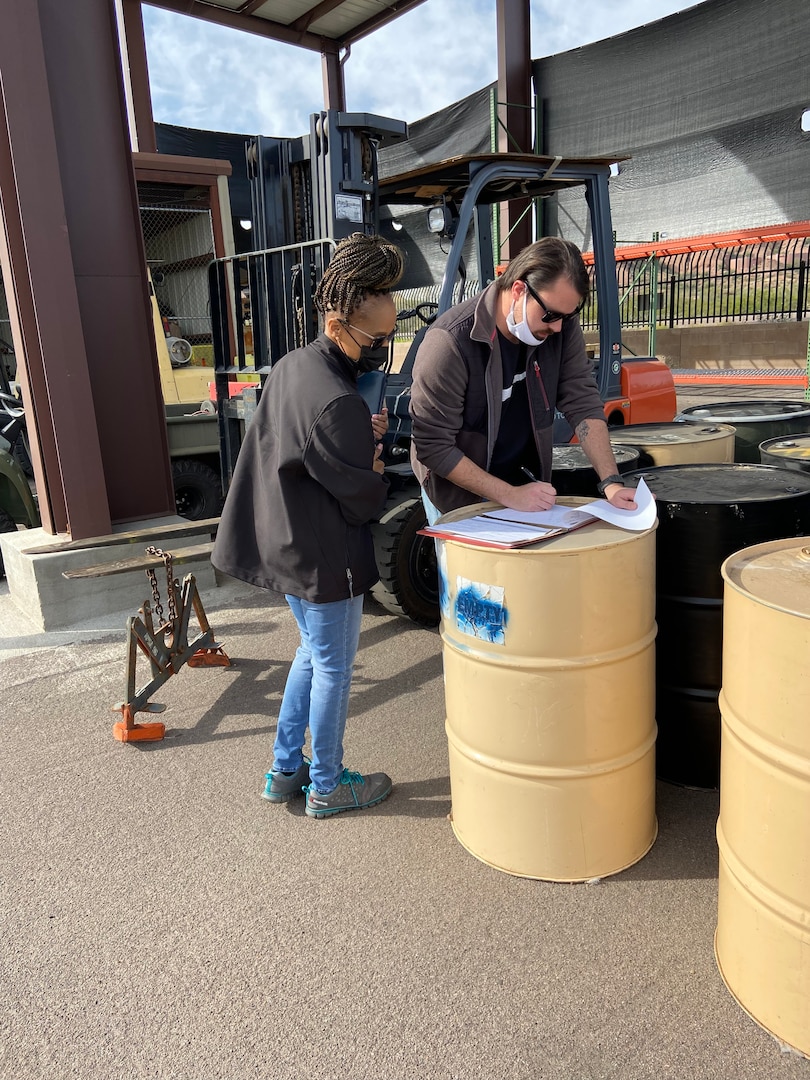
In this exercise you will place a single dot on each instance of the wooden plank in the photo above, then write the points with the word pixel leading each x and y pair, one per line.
pixel 135 536
pixel 141 562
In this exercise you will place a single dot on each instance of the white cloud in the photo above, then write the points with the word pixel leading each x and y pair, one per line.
pixel 211 77
pixel 426 59
pixel 219 79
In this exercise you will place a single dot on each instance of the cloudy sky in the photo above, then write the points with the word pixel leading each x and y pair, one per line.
pixel 210 77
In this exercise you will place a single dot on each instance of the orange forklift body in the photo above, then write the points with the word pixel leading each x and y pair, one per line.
pixel 648 394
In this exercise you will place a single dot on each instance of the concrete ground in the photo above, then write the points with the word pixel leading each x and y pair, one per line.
pixel 160 920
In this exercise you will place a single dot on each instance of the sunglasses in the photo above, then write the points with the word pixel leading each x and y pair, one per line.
pixel 552 316
pixel 374 342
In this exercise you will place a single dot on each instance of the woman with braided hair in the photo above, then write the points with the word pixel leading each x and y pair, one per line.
pixel 307 482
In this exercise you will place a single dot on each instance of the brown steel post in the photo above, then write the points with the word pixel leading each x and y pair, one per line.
pixel 514 111
pixel 41 291
pixel 139 76
pixel 87 334
pixel 334 86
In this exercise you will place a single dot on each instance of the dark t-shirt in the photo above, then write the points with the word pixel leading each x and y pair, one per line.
pixel 515 444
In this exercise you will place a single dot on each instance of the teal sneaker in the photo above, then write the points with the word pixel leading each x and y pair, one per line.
pixel 353 792
pixel 281 787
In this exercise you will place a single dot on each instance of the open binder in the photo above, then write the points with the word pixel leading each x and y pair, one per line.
pixel 516 528
pixel 511 528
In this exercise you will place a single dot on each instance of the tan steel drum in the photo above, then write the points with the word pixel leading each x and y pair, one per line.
pixel 550 700
pixel 677 443
pixel 762 942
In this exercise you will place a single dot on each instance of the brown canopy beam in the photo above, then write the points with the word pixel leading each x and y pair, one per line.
pixel 514 110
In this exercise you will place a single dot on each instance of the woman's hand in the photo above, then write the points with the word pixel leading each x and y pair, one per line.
pixel 379 423
pixel 378 465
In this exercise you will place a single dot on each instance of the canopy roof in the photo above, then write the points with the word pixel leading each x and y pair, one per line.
pixel 450 179
pixel 323 26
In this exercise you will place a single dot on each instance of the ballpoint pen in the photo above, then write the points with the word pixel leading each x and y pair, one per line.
pixel 530 474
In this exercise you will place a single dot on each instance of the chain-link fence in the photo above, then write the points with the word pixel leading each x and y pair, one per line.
pixel 179 245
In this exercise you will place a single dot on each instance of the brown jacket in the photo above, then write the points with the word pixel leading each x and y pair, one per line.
pixel 457 387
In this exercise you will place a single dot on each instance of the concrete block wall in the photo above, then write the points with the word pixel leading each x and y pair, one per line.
pixel 726 345
pixel 53 602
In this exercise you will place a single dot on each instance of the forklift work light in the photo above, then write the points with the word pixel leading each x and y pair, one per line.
pixel 441 220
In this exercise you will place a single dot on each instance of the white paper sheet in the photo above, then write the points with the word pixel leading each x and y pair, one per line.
pixel 643 517
pixel 558 517
pixel 492 532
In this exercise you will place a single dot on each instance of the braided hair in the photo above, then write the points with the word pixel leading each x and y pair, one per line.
pixel 361 266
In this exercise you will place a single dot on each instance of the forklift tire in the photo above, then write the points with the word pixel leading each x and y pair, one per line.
pixel 7 524
pixel 20 451
pixel 197 489
pixel 406 562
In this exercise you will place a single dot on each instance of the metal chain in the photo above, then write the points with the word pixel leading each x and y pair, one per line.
pixel 297 304
pixel 298 204
pixel 170 585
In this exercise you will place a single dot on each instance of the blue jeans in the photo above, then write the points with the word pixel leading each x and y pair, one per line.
pixel 316 694
pixel 433 512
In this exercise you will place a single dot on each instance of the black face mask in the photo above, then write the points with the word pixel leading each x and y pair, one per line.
pixel 371 359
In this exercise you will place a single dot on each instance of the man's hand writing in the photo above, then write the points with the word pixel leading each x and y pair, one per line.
pixel 537 496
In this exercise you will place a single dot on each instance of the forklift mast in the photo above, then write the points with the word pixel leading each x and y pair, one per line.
pixel 321 185
pixel 307 193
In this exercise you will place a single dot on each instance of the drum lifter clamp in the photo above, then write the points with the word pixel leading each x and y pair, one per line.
pixel 166 645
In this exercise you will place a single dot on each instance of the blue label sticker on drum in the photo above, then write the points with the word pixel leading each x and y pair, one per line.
pixel 480 611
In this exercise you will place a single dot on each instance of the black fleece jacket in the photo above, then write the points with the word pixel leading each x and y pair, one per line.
pixel 304 490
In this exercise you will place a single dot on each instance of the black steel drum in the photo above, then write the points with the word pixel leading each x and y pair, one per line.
pixel 755 422
pixel 573 474
pixel 790 453
pixel 676 443
pixel 705 513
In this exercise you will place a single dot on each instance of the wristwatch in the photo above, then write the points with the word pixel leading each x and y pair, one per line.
pixel 614 479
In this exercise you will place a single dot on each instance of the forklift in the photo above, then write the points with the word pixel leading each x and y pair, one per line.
pixel 311 192
pixel 18 503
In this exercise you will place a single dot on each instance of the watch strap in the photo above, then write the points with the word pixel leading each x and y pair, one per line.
pixel 613 479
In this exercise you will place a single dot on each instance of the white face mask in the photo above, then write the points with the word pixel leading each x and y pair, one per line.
pixel 521 330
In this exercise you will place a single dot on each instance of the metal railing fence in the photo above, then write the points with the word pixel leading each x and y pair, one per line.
pixel 745 283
